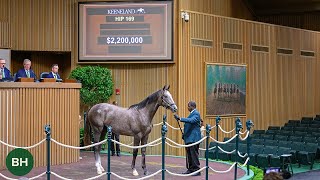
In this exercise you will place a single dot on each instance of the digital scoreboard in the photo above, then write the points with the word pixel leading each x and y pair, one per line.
pixel 119 31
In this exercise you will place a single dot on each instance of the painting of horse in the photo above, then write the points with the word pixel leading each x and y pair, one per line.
pixel 134 121
pixel 225 89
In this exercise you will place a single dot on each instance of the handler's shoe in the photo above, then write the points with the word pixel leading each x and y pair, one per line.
pixel 197 174
pixel 187 172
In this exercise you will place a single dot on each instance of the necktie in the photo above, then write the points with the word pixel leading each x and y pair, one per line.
pixel 55 76
pixel 28 74
pixel 3 75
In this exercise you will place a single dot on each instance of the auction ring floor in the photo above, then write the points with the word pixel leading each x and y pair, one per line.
pixel 85 168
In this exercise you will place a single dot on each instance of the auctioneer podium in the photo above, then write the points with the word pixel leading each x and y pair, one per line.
pixel 26 107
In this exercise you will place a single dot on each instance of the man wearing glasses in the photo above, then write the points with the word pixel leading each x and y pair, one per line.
pixel 4 72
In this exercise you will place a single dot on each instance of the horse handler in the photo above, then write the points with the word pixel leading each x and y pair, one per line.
pixel 191 135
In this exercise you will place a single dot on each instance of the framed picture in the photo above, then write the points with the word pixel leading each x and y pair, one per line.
pixel 225 89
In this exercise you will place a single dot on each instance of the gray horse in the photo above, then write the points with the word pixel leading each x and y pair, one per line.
pixel 134 121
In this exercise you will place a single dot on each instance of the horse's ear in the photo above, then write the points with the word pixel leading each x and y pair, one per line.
pixel 164 87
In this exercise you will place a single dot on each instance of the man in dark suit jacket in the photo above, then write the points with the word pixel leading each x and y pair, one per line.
pixel 54 72
pixel 4 72
pixel 26 71
pixel 191 135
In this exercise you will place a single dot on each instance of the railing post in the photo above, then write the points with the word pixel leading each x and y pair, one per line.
pixel 47 130
pixel 238 128
pixel 163 132
pixel 218 119
pixel 249 124
pixel 164 119
pixel 109 145
pixel 208 129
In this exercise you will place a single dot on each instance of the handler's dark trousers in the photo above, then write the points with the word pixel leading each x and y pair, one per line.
pixel 115 137
pixel 193 163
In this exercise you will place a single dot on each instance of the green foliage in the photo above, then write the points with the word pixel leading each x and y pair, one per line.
pixel 97 84
pixel 81 137
pixel 258 173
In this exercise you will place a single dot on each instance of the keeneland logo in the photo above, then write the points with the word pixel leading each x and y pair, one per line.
pixel 126 11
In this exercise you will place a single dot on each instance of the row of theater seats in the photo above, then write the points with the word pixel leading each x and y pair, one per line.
pixel 269 148
pixel 269 153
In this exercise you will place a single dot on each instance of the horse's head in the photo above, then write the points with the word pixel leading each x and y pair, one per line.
pixel 166 99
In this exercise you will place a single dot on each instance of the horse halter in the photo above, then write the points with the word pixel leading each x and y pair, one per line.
pixel 167 105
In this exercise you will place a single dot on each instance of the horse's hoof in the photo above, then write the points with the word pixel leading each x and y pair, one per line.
pixel 99 171
pixel 146 173
pixel 102 169
pixel 135 172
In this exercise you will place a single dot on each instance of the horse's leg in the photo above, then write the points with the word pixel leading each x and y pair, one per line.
pixel 97 134
pixel 136 142
pixel 144 141
pixel 102 137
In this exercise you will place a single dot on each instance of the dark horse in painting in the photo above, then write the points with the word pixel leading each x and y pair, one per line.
pixel 134 121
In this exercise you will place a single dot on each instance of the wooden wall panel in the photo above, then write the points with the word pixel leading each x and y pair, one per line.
pixel 4 24
pixel 6 123
pixel 280 86
pixel 36 25
pixel 25 112
pixel 309 20
pixel 229 8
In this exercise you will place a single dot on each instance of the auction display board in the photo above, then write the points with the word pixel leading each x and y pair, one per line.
pixel 120 31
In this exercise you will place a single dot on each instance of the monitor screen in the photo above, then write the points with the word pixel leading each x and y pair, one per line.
pixel 125 31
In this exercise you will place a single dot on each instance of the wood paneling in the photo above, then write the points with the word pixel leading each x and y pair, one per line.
pixel 229 8
pixel 27 107
pixel 41 25
pixel 38 25
pixel 5 41
pixel 280 87
pixel 308 20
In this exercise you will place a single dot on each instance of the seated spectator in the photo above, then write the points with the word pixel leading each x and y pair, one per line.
pixel 26 71
pixel 54 72
pixel 4 72
pixel 272 176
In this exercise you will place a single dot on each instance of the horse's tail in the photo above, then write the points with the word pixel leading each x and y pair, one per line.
pixel 87 134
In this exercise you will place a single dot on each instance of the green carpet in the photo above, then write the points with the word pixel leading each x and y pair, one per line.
pixel 305 168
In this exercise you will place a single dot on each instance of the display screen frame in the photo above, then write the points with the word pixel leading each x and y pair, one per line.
pixel 157 59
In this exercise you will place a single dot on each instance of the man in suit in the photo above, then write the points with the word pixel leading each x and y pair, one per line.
pixel 115 137
pixel 54 72
pixel 4 72
pixel 191 135
pixel 26 71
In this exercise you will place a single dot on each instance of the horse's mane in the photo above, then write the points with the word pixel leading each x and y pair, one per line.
pixel 150 98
